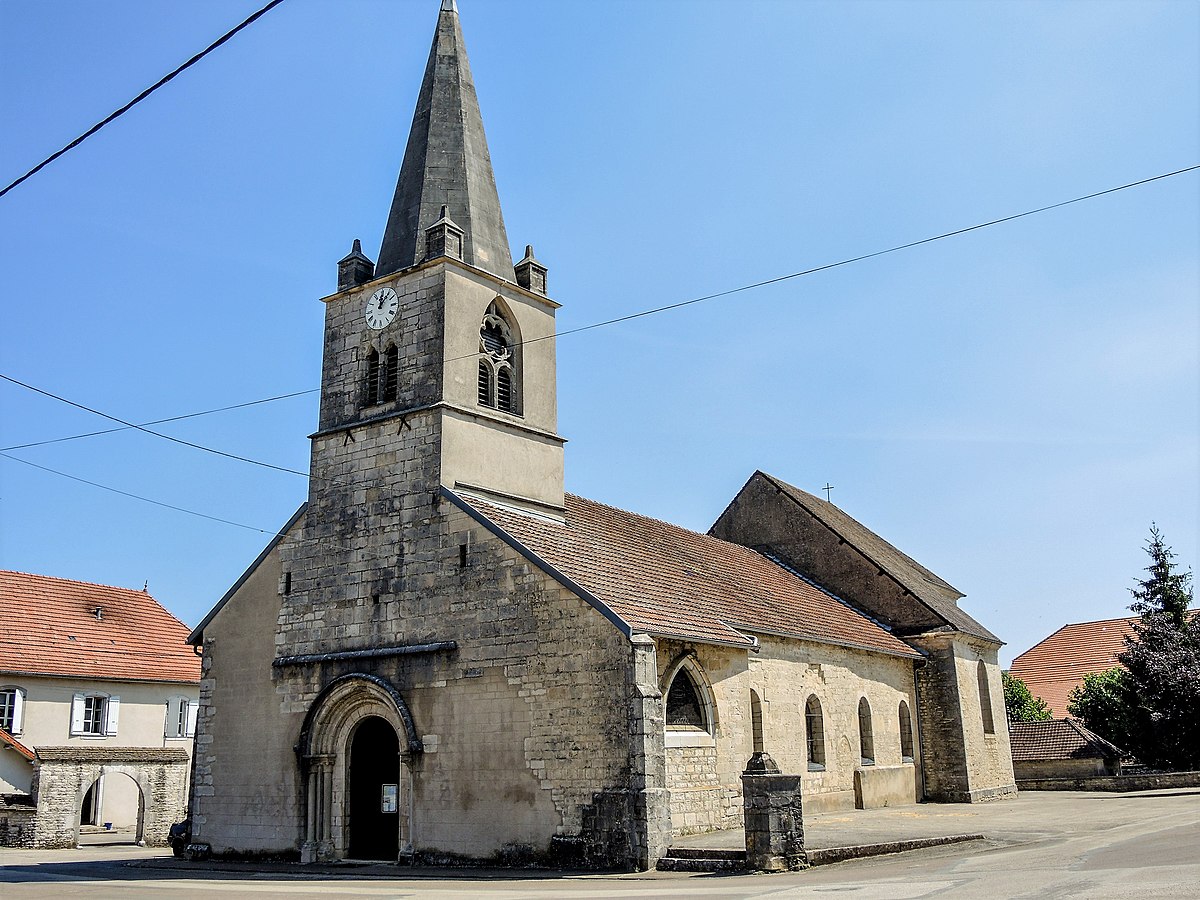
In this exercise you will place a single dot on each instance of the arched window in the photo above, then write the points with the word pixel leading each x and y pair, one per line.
pixel 985 699
pixel 866 739
pixel 756 722
pixel 906 738
pixel 814 733
pixel 498 349
pixel 371 384
pixel 685 704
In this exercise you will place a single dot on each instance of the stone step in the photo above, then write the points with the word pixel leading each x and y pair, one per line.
pixel 700 859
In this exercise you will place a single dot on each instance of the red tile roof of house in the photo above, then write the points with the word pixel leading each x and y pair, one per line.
pixel 6 738
pixel 1058 739
pixel 1057 664
pixel 49 626
pixel 667 581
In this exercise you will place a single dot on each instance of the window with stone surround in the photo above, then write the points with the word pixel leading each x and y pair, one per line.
pixel 985 699
pixel 685 708
pixel 814 734
pixel 12 709
pixel 906 737
pixel 866 737
pixel 498 375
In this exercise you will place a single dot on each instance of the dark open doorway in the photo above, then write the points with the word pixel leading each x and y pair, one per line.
pixel 374 791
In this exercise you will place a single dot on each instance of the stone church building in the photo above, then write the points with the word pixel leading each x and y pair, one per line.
pixel 445 656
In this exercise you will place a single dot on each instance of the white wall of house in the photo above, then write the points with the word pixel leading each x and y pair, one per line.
pixel 135 714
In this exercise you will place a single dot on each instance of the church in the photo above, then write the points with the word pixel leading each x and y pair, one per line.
pixel 445 657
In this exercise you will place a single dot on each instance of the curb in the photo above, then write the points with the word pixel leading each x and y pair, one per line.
pixel 859 851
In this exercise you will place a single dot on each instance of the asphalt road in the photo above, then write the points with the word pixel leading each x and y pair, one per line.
pixel 1040 846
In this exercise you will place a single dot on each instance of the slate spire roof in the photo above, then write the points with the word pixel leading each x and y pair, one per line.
pixel 447 164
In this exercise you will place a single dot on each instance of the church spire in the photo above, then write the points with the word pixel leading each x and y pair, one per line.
pixel 446 165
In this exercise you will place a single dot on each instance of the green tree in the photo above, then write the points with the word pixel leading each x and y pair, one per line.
pixel 1019 702
pixel 1106 704
pixel 1163 664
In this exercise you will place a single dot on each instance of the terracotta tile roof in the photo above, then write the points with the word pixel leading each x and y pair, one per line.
pixel 1054 666
pixel 665 580
pixel 1058 739
pixel 6 738
pixel 935 593
pixel 48 626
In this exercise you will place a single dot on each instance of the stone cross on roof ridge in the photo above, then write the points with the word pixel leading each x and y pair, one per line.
pixel 446 163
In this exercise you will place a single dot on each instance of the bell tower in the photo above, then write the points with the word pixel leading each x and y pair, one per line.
pixel 439 360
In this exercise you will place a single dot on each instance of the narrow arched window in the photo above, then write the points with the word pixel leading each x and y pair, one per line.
pixel 685 708
pixel 498 375
pixel 371 386
pixel 985 699
pixel 906 738
pixel 756 722
pixel 866 738
pixel 390 376
pixel 814 733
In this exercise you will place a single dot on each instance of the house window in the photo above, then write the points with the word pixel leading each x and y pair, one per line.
pixel 814 733
pixel 498 382
pixel 181 718
pixel 94 714
pixel 12 709
pixel 985 699
pixel 906 738
pixel 866 740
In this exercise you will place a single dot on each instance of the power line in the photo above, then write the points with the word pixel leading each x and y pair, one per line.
pixel 104 487
pixel 142 96
pixel 158 434
pixel 206 412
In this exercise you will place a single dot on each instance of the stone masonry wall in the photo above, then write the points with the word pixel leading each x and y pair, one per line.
pixel 706 782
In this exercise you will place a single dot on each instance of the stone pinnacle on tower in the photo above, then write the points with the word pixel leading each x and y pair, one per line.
pixel 446 164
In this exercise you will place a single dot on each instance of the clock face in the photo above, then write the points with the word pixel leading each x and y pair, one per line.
pixel 381 308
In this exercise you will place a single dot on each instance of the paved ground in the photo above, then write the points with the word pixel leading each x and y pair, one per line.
pixel 1053 846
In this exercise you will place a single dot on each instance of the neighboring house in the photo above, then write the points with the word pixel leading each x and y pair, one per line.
pixel 98 701
pixel 1061 748
pixel 1053 667
pixel 444 655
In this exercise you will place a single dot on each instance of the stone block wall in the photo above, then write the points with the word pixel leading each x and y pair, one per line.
pixel 17 825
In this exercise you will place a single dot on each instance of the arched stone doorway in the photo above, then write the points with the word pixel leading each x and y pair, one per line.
pixel 112 810
pixel 373 820
pixel 357 738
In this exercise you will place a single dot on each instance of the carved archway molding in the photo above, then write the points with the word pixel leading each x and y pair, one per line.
pixel 323 751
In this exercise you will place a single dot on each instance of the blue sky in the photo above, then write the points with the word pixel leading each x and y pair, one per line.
pixel 1012 407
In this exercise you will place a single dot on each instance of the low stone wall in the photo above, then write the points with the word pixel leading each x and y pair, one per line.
pixel 1113 782
pixel 17 825
pixel 879 786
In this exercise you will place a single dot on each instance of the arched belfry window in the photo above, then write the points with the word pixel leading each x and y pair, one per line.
pixel 814 734
pixel 906 736
pixel 382 377
pixel 866 737
pixel 985 699
pixel 499 382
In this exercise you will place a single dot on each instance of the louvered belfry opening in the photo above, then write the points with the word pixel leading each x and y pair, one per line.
pixel 497 365
pixel 390 377
pixel 371 387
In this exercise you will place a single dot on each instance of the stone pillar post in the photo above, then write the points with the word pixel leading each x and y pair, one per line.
pixel 318 844
pixel 651 831
pixel 774 817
